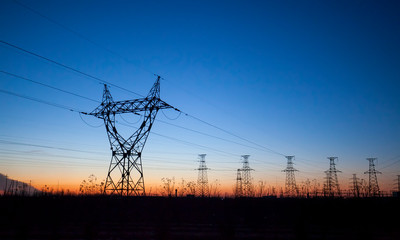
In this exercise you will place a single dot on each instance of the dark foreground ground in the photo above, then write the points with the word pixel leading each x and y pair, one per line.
pixel 195 218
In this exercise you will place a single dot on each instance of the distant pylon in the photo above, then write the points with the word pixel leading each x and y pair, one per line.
pixel 202 180
pixel 398 183
pixel 331 186
pixel 355 186
pixel 373 187
pixel 290 184
pixel 239 186
pixel 247 185
pixel 364 188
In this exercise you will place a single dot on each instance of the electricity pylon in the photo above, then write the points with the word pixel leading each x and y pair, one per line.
pixel 364 188
pixel 247 185
pixel 331 187
pixel 202 180
pixel 373 187
pixel 290 184
pixel 125 174
pixel 239 186
pixel 355 186
pixel 398 183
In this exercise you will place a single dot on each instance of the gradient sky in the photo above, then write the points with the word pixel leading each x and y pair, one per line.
pixel 307 78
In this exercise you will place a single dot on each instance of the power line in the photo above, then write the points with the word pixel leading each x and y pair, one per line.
pixel 90 125
pixel 46 146
pixel 12 138
pixel 48 86
pixel 221 152
pixel 183 141
pixel 210 135
pixel 8 152
pixel 19 160
pixel 231 133
pixel 309 164
pixel 34 160
pixel 194 144
pixel 40 101
pixel 394 163
pixel 68 67
pixel 51 166
pixel 389 159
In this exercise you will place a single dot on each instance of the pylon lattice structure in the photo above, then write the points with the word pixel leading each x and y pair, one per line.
pixel 398 183
pixel 331 186
pixel 239 185
pixel 202 180
pixel 373 187
pixel 247 181
pixel 355 186
pixel 364 188
pixel 125 173
pixel 290 183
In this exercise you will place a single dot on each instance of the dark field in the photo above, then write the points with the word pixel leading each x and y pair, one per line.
pixel 196 218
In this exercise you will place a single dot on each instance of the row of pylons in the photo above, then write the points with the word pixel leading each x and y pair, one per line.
pixel 331 188
pixel 331 185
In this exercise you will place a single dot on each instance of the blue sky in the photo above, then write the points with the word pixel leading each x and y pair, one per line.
pixel 311 79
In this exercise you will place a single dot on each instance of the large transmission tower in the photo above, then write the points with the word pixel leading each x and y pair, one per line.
pixel 125 174
pixel 355 186
pixel 331 187
pixel 290 184
pixel 247 185
pixel 202 180
pixel 373 187
pixel 239 185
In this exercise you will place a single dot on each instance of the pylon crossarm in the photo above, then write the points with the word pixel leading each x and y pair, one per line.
pixel 129 106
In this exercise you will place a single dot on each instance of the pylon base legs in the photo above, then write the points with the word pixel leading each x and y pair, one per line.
pixel 125 176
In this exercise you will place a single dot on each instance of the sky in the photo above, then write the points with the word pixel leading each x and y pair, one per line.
pixel 313 79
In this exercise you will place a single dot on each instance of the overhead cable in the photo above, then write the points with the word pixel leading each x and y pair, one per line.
pixel 48 86
pixel 68 67
pixel 40 101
